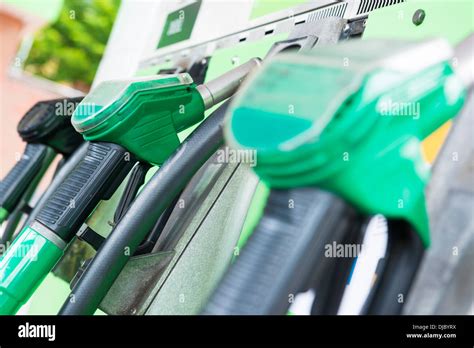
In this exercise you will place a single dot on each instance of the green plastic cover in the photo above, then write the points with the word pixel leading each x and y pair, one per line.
pixel 109 96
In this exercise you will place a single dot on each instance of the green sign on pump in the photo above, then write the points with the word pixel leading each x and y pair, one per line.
pixel 179 24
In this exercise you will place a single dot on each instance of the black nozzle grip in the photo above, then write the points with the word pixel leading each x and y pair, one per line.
pixel 282 254
pixel 18 179
pixel 96 177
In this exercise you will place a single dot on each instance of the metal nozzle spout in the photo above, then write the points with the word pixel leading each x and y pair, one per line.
pixel 221 88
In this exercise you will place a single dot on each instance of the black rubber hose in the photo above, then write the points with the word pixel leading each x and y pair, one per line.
pixel 135 181
pixel 149 242
pixel 140 218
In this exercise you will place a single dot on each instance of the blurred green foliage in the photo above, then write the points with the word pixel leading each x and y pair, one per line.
pixel 69 50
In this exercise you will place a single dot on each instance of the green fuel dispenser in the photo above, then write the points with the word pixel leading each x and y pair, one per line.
pixel 125 121
pixel 349 119
pixel 337 131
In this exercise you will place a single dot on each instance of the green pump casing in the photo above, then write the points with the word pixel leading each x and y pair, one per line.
pixel 144 115
pixel 349 119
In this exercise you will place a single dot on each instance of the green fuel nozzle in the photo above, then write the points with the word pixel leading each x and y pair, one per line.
pixel 125 121
pixel 145 115
pixel 350 119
